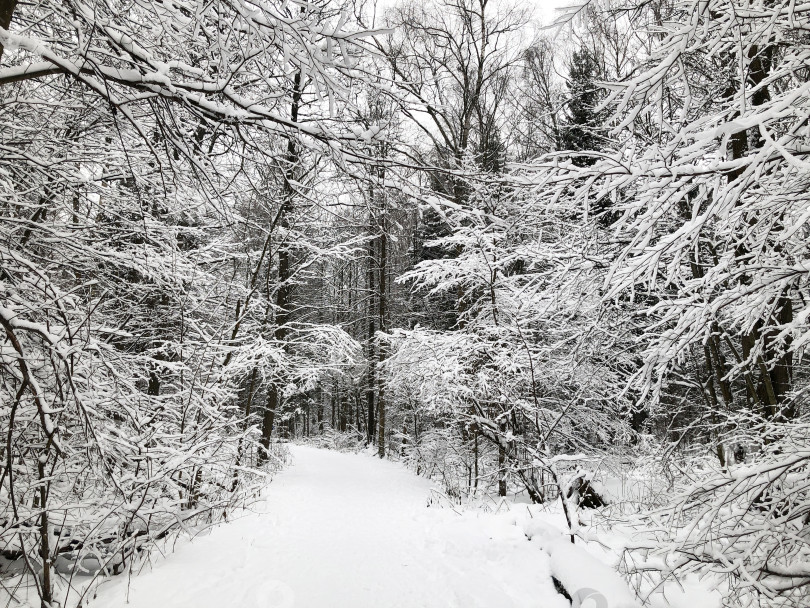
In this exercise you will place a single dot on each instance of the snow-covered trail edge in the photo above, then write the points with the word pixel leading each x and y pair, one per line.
pixel 346 531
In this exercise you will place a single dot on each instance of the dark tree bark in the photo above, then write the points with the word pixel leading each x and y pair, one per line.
pixel 284 292
pixel 775 369
pixel 7 8
pixel 44 537
pixel 383 312
pixel 370 380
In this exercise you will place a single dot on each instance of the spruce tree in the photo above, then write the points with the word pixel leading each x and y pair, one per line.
pixel 581 129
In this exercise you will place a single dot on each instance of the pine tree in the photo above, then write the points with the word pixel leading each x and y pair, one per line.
pixel 582 127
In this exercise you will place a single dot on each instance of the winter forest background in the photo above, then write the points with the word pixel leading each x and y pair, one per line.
pixel 568 264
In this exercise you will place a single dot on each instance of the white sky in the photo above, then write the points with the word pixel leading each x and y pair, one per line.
pixel 545 8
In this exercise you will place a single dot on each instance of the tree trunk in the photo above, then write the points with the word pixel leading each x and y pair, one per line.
pixel 333 405
pixel 501 470
pixel 782 373
pixel 383 310
pixel 284 292
pixel 775 371
pixel 153 389
pixel 372 426
pixel 44 536
pixel 7 8
pixel 502 460
pixel 475 460
pixel 320 411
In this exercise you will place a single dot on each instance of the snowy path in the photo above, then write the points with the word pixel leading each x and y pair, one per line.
pixel 347 531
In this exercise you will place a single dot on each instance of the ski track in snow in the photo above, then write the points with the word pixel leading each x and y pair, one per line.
pixel 346 531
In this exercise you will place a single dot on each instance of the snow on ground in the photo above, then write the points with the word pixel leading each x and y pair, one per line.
pixel 590 569
pixel 347 531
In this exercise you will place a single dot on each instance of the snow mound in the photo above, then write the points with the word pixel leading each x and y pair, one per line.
pixel 588 579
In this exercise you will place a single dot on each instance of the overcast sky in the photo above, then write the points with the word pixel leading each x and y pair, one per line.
pixel 545 12
pixel 546 8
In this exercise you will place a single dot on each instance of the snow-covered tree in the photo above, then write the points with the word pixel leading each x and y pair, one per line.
pixel 133 135
pixel 710 179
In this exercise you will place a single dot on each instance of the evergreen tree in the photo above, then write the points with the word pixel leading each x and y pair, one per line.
pixel 582 126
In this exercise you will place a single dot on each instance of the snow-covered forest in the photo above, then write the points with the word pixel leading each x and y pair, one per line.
pixel 558 268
